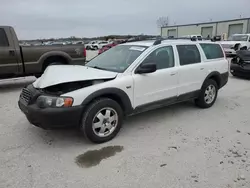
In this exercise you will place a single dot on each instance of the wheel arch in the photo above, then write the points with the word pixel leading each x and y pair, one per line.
pixel 58 54
pixel 116 94
pixel 216 76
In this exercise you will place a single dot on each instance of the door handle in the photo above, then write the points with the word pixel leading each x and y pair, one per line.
pixel 202 68
pixel 12 52
pixel 173 73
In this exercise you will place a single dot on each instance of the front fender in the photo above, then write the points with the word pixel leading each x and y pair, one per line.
pixel 112 92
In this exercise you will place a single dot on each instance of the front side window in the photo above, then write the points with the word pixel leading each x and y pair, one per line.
pixel 212 51
pixel 117 59
pixel 3 39
pixel 163 57
pixel 188 54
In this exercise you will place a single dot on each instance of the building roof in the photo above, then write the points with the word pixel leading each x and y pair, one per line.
pixel 239 19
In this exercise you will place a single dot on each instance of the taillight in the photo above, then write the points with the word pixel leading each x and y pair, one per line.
pixel 84 52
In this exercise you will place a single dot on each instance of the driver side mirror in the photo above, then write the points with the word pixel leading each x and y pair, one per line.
pixel 146 68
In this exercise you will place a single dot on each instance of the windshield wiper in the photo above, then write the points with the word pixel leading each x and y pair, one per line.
pixel 100 68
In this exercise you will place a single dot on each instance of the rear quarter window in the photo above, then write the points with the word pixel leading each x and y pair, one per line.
pixel 212 51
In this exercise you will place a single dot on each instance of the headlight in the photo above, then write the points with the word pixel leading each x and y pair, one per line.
pixel 48 101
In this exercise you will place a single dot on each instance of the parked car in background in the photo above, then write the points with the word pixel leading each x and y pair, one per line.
pixel 127 79
pixel 103 49
pixel 88 46
pixel 16 60
pixel 236 42
pixel 99 45
pixel 240 64
pixel 108 46
pixel 78 42
pixel 194 37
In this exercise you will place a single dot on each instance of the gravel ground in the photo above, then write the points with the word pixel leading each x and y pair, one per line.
pixel 180 146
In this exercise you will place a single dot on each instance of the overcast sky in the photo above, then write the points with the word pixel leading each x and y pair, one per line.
pixel 34 19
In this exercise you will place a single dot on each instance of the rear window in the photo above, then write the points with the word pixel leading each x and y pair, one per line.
pixel 3 39
pixel 212 51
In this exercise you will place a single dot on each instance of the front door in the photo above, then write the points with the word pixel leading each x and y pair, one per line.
pixel 159 85
pixel 8 59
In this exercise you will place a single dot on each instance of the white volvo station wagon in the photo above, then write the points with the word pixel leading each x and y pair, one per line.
pixel 125 80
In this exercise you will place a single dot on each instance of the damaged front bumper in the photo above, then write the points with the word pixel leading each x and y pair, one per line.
pixel 240 70
pixel 47 118
pixel 240 64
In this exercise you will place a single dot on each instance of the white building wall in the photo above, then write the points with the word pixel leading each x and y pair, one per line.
pixel 223 27
pixel 194 29
pixel 219 28
pixel 164 31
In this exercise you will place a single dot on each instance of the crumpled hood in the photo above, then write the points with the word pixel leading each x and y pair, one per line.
pixel 57 74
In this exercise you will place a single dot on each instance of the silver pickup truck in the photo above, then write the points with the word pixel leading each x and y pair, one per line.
pixel 16 60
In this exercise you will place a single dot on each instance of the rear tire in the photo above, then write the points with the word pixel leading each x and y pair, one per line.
pixel 102 120
pixel 208 94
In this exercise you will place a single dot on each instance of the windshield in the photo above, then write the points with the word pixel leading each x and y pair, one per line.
pixel 117 59
pixel 238 38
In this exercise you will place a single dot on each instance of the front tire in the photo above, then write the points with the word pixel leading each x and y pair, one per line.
pixel 208 94
pixel 102 120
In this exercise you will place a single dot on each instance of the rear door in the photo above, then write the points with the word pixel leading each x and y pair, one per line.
pixel 8 56
pixel 191 70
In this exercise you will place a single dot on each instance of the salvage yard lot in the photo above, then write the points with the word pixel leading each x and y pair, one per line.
pixel 173 147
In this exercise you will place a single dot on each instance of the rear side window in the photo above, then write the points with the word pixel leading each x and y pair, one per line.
pixel 188 54
pixel 212 51
pixel 3 39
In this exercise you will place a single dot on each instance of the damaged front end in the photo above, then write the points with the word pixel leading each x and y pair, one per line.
pixel 48 108
pixel 240 64
pixel 60 89
pixel 242 57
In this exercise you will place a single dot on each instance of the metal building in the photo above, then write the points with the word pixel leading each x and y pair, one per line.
pixel 225 28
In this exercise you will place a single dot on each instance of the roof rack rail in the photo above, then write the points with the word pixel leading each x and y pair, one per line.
pixel 160 39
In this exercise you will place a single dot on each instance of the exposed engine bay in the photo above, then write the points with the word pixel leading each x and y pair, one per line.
pixel 62 88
